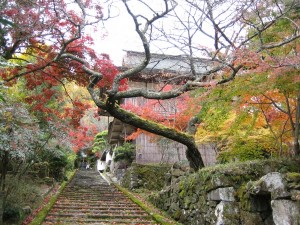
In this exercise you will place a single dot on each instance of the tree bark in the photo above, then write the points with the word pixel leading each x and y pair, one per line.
pixel 4 170
pixel 297 124
pixel 2 194
pixel 294 126
pixel 192 153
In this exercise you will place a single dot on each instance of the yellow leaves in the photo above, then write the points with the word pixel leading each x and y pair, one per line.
pixel 252 108
pixel 206 135
pixel 75 91
pixel 9 119
pixel 238 125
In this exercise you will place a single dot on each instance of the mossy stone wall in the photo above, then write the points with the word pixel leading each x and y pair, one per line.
pixel 221 194
pixel 151 177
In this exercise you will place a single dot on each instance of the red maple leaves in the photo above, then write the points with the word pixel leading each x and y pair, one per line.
pixel 83 136
pixel 36 34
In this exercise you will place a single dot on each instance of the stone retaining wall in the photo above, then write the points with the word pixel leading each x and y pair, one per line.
pixel 144 177
pixel 252 193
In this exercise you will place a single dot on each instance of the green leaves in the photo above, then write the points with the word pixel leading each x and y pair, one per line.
pixel 6 22
pixel 244 150
pixel 2 98
pixel 288 82
pixel 216 108
pixel 100 141
pixel 125 152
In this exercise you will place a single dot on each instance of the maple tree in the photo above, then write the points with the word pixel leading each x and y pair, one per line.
pixel 229 53
pixel 34 36
pixel 278 101
pixel 31 146
pixel 83 137
pixel 51 34
pixel 230 119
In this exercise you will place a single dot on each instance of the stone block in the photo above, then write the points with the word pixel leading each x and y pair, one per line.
pixel 295 195
pixel 227 213
pixel 177 173
pixel 286 212
pixel 270 183
pixel 198 219
pixel 212 204
pixel 210 217
pixel 221 194
pixel 174 207
pixel 219 180
pixel 174 189
pixel 27 210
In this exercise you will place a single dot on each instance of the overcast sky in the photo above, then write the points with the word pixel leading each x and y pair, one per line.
pixel 120 35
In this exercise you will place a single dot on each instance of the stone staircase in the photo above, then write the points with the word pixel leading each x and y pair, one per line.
pixel 89 199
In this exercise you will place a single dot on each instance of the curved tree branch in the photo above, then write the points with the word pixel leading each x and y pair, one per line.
pixel 192 153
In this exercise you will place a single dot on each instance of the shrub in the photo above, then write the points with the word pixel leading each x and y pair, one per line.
pixel 71 157
pixel 41 169
pixel 125 152
pixel 57 165
pixel 100 141
pixel 11 212
pixel 59 159
pixel 244 151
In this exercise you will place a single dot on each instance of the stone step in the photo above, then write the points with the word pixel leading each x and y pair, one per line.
pixel 90 195
pixel 86 192
pixel 98 212
pixel 88 199
pixel 102 198
pixel 110 207
pixel 94 201
pixel 75 221
pixel 91 190
pixel 85 204
pixel 99 215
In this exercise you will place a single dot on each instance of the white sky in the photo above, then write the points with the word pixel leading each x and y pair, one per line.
pixel 120 36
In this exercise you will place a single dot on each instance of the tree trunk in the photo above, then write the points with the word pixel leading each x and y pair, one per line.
pixel 296 133
pixel 2 195
pixel 4 165
pixel 192 153
pixel 294 126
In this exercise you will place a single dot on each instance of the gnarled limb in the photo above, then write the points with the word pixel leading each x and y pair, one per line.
pixel 192 153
